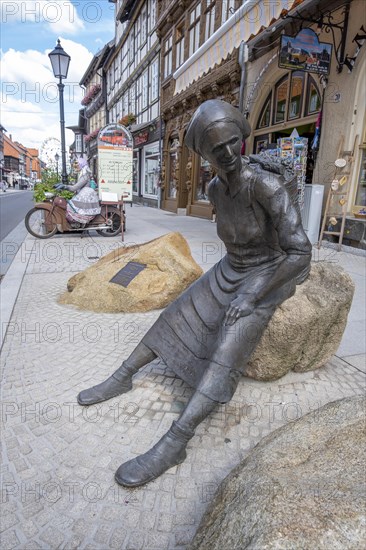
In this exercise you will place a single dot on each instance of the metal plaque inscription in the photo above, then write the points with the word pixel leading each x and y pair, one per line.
pixel 127 273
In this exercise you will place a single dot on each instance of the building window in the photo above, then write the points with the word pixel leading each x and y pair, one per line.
pixel 154 80
pixel 168 56
pixel 116 70
pixel 135 172
pixel 296 92
pixel 179 46
pixel 138 97
pixel 132 98
pixel 204 178
pixel 173 168
pixel 314 100
pixel 145 89
pixel 228 8
pixel 265 117
pixel 151 169
pixel 131 49
pixel 281 101
pixel 295 96
pixel 209 14
pixel 111 77
pixel 125 104
pixel 151 15
pixel 78 143
pixel 194 29
pixel 137 36
pixel 143 26
pixel 124 61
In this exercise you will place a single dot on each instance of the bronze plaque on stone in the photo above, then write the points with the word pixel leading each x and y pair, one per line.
pixel 127 273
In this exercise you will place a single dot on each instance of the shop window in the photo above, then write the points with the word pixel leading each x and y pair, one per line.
pixel 204 178
pixel 151 169
pixel 286 106
pixel 314 100
pixel 135 172
pixel 194 29
pixel 173 167
pixel 361 184
pixel 265 117
pixel 297 84
pixel 280 101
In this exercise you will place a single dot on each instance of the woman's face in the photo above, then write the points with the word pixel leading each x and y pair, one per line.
pixel 222 146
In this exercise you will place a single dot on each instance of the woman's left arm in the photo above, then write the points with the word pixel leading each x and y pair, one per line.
pixel 83 179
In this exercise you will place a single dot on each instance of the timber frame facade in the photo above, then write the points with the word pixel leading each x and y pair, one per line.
pixel 185 176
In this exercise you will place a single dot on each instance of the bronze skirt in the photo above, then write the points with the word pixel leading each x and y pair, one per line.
pixel 190 335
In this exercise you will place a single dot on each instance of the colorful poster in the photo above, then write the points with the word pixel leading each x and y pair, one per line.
pixel 115 162
pixel 304 52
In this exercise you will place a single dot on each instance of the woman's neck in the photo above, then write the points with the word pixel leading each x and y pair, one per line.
pixel 230 178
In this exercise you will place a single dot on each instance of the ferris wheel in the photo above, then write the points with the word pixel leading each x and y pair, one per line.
pixel 49 148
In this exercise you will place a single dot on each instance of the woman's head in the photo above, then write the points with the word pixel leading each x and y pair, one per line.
pixel 82 163
pixel 216 132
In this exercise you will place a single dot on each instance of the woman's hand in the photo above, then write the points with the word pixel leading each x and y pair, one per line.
pixel 242 306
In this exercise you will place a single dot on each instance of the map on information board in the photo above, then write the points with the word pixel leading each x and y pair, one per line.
pixel 115 153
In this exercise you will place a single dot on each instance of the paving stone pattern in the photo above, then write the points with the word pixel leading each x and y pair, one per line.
pixel 59 459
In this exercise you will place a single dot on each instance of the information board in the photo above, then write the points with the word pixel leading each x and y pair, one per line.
pixel 115 161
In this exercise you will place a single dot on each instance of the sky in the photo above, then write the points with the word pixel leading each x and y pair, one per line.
pixel 29 31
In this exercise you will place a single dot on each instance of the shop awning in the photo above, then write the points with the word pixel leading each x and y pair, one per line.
pixel 250 19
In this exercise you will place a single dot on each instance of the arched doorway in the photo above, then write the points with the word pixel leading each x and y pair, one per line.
pixel 293 102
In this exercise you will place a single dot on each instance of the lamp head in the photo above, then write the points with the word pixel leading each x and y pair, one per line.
pixel 60 61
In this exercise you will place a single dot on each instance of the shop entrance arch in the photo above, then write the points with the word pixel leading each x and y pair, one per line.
pixel 293 103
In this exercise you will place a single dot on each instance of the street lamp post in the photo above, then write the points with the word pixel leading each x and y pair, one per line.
pixel 60 61
pixel 57 158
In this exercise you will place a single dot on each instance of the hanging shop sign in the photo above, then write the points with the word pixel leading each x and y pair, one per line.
pixel 142 137
pixel 115 162
pixel 304 52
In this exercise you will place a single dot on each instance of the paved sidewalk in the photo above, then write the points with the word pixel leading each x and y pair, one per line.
pixel 59 459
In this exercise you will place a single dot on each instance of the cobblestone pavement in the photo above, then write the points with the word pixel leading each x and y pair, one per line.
pixel 59 459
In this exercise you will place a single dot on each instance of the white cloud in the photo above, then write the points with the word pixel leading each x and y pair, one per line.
pixel 60 16
pixel 29 100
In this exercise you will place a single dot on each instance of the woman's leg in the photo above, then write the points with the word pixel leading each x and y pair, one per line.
pixel 121 380
pixel 171 449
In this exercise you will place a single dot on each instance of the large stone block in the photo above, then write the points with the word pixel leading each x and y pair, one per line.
pixel 170 269
pixel 305 330
pixel 301 487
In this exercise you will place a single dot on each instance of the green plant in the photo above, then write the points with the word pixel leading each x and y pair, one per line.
pixel 49 180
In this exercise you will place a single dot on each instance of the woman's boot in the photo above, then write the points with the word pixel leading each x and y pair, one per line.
pixel 171 449
pixel 121 380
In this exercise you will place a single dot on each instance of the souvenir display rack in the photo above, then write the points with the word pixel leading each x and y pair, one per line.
pixel 295 149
